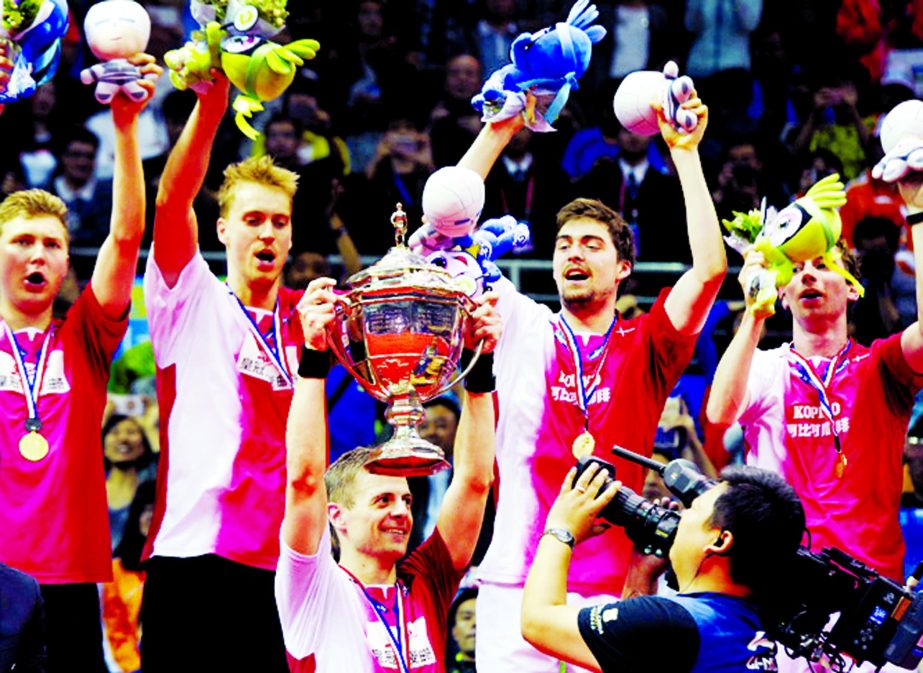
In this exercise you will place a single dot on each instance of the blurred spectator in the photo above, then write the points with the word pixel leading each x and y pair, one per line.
pixel 641 37
pixel 876 315
pixel 121 598
pixel 496 31
pixel 40 121
pixel 739 183
pixel 814 166
pixel 462 623
pixel 649 200
pixel 455 123
pixel 129 462
pixel 22 623
pixel 677 437
pixel 834 123
pixel 439 427
pixel 911 513
pixel 721 34
pixel 403 161
pixel 870 198
pixel 530 186
pixel 88 199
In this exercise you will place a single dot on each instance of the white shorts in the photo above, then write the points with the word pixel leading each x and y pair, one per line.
pixel 500 647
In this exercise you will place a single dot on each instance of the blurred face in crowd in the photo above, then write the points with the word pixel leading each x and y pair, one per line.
pixel 78 162
pixel 632 147
pixel 304 268
pixel 585 264
pixel 378 522
pixel 282 139
pixel 370 19
pixel 653 483
pixel 694 535
pixel 464 628
pixel 124 443
pixel 463 77
pixel 33 262
pixel 257 232
pixel 439 427
pixel 816 295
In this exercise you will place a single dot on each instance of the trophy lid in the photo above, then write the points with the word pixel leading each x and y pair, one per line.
pixel 403 268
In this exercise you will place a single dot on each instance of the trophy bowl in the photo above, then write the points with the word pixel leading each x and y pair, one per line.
pixel 399 330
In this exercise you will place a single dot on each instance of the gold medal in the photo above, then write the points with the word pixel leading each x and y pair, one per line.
pixel 33 446
pixel 583 445
pixel 841 464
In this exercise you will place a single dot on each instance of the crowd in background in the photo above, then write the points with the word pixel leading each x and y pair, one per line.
pixel 795 90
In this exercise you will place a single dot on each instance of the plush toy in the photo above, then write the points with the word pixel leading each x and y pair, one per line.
pixel 545 67
pixel 234 38
pixel 116 29
pixel 32 31
pixel 640 90
pixel 902 142
pixel 807 229
pixel 471 259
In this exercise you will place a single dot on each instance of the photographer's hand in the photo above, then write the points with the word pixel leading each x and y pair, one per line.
pixel 578 505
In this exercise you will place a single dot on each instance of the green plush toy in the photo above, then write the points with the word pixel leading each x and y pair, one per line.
pixel 235 38
pixel 807 229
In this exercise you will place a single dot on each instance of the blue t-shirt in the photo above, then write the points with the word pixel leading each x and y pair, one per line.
pixel 691 633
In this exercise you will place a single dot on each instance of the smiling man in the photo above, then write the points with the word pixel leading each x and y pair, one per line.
pixel 225 355
pixel 375 611
pixel 582 380
pixel 827 413
pixel 53 375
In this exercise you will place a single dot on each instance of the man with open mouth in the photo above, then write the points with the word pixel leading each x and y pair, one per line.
pixel 53 374
pixel 582 380
pixel 226 353
pixel 827 413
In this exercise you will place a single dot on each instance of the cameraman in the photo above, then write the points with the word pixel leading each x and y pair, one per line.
pixel 729 543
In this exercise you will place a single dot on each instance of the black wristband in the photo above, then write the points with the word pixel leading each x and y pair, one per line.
pixel 481 377
pixel 314 364
pixel 915 218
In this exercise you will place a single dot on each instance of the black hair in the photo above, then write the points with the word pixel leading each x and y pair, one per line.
pixel 765 516
pixel 145 458
pixel 462 596
pixel 447 402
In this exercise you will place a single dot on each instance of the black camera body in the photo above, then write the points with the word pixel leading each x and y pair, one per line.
pixel 879 620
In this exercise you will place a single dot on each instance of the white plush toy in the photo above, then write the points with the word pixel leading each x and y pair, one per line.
pixel 640 89
pixel 453 198
pixel 902 141
pixel 115 30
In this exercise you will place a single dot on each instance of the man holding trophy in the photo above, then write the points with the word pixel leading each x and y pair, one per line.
pixel 583 380
pixel 373 611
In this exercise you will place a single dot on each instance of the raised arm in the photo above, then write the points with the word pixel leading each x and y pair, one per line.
pixel 694 293
pixel 728 395
pixel 462 511
pixel 548 622
pixel 489 145
pixel 176 235
pixel 117 262
pixel 306 432
pixel 911 188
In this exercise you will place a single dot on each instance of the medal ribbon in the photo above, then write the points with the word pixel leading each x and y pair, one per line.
pixel 30 386
pixel 274 353
pixel 378 608
pixel 806 372
pixel 583 395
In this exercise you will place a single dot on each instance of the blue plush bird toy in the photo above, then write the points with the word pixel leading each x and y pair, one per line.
pixel 545 68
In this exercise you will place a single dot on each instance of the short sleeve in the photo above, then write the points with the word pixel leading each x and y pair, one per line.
pixel 896 371
pixel 308 589
pixel 432 562
pixel 169 308
pixel 764 369
pixel 99 334
pixel 671 350
pixel 630 635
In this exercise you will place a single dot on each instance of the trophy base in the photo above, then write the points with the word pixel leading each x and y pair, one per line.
pixel 407 457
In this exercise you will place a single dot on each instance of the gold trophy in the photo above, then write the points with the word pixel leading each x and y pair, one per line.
pixel 400 332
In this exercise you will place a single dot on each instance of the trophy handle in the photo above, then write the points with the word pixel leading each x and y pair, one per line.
pixel 474 359
pixel 337 346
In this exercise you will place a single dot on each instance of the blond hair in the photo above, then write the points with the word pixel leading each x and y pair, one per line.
pixel 30 203
pixel 260 170
pixel 342 473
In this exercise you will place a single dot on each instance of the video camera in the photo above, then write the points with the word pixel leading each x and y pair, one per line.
pixel 879 620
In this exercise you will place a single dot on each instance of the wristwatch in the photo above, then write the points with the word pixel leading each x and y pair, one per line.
pixel 561 535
